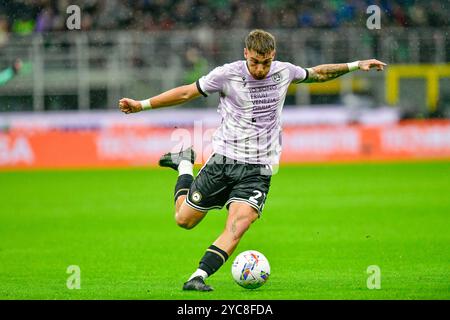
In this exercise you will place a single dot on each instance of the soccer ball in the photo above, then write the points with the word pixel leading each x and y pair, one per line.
pixel 250 269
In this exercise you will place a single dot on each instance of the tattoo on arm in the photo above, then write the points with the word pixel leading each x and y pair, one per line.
pixel 326 72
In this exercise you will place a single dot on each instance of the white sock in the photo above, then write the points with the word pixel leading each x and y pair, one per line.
pixel 199 272
pixel 185 167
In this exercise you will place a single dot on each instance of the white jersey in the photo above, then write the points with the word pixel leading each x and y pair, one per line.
pixel 250 131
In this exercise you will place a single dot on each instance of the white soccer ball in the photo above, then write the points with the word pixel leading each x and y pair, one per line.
pixel 250 269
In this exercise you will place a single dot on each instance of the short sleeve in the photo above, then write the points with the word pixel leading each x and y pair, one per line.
pixel 298 74
pixel 212 82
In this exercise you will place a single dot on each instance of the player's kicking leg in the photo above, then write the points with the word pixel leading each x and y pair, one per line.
pixel 183 162
pixel 240 216
pixel 186 216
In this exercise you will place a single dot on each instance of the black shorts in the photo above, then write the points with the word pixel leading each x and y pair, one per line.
pixel 223 180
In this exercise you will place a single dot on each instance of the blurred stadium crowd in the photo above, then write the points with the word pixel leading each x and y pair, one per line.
pixel 28 16
pixel 413 32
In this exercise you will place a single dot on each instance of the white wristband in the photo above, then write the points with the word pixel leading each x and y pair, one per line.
pixel 352 66
pixel 146 105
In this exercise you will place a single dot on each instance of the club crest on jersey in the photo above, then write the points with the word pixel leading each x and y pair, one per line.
pixel 276 77
pixel 244 81
pixel 196 196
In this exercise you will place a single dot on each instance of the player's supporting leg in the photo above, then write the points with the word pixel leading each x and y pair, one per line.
pixel 240 217
pixel 183 162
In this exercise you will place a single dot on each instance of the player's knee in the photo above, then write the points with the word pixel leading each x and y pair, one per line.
pixel 184 222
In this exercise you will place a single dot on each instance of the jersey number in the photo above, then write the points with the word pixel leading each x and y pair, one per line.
pixel 257 195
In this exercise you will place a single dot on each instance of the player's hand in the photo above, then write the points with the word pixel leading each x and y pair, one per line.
pixel 366 65
pixel 127 105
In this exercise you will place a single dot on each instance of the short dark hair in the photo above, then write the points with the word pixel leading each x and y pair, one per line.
pixel 260 41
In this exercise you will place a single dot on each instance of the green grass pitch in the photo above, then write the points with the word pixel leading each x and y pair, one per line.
pixel 323 225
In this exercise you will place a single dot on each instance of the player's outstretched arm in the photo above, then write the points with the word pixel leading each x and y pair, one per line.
pixel 326 72
pixel 171 97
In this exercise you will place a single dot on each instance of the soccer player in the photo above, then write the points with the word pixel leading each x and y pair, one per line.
pixel 246 146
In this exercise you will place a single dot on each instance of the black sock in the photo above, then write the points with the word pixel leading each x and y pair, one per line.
pixel 213 259
pixel 183 184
